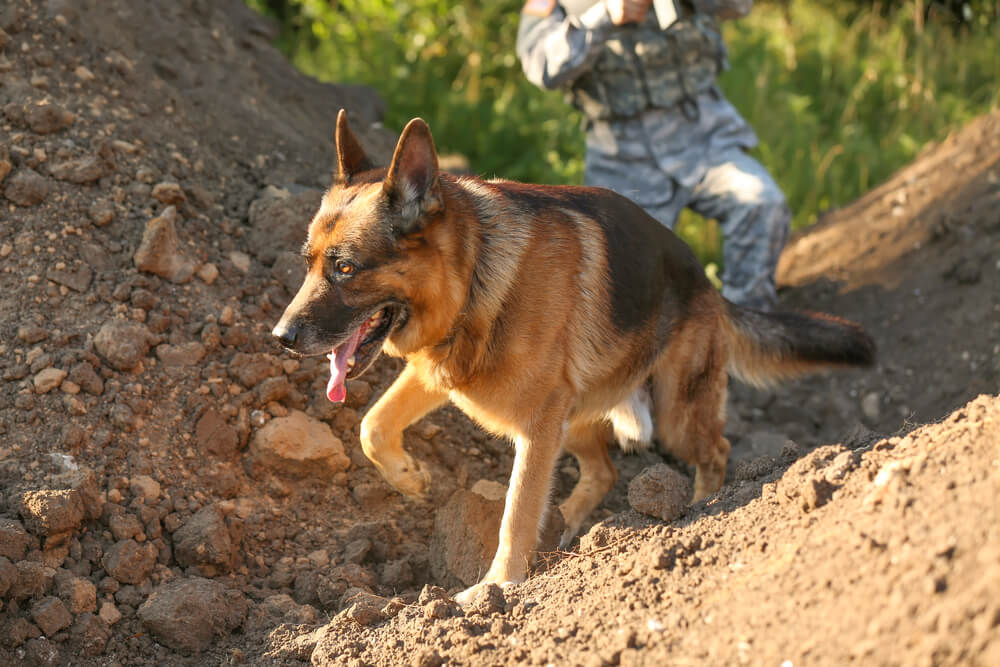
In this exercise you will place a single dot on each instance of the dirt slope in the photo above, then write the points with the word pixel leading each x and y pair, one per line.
pixel 150 515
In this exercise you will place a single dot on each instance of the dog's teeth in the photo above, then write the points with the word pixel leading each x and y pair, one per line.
pixel 352 361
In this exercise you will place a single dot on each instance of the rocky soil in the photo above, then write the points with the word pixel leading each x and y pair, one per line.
pixel 175 490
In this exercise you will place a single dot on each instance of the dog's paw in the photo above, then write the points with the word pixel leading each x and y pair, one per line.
pixel 467 597
pixel 412 480
pixel 566 541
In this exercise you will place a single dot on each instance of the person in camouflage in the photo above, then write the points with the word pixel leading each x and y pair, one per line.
pixel 658 129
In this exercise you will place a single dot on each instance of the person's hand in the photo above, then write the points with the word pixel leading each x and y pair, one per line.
pixel 627 11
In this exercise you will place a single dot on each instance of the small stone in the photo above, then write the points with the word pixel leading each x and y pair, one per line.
pixel 123 146
pixel 83 481
pixel 188 614
pixel 429 593
pixel 319 558
pixel 359 392
pixel 659 491
pixel 227 317
pixel 208 273
pixel 397 574
pixel 180 356
pixel 159 251
pixel 101 213
pixel 77 278
pixel 109 613
pixel 215 435
pixel 80 594
pixel 42 652
pixel 168 193
pixel 465 533
pixel 273 389
pixel 47 118
pixel 8 576
pixel 146 487
pixel 84 375
pixel 89 635
pixel 438 609
pixel 252 369
pixel 84 74
pixel 357 550
pixel 48 379
pixel 129 562
pixel 240 260
pixel 5 168
pixel 365 609
pixel 51 615
pixel 427 658
pixel 27 188
pixel 275 223
pixel 124 526
pixel 145 175
pixel 123 344
pixel 51 511
pixel 289 270
pixel 298 445
pixel 79 170
pixel 33 580
pixel 871 405
pixel 32 335
pixel 204 541
pixel 15 632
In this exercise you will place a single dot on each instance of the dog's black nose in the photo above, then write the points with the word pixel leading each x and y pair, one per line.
pixel 287 335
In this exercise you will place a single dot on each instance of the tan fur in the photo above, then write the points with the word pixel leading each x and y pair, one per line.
pixel 510 296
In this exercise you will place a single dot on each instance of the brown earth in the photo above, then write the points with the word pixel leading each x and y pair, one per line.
pixel 174 490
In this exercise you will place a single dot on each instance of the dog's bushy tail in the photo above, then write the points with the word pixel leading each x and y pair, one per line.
pixel 767 347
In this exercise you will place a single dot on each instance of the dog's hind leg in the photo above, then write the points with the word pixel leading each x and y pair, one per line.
pixel 406 401
pixel 587 442
pixel 689 395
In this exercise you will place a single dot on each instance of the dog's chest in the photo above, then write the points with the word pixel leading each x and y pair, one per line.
pixel 491 417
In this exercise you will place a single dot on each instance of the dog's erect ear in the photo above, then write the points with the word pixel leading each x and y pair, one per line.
pixel 412 182
pixel 351 158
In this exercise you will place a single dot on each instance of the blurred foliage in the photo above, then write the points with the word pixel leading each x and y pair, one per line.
pixel 841 93
pixel 452 64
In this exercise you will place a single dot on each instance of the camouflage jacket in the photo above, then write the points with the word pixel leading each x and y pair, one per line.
pixel 637 82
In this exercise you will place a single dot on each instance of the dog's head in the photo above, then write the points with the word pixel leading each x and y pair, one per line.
pixel 367 255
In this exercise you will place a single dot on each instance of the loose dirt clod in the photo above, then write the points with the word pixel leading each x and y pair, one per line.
pixel 660 491
pixel 189 614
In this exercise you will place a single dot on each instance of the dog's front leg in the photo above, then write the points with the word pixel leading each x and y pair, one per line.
pixel 406 401
pixel 527 498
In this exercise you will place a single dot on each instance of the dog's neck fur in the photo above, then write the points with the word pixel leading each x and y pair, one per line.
pixel 456 356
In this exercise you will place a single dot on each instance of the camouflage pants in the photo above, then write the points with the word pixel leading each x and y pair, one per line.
pixel 735 190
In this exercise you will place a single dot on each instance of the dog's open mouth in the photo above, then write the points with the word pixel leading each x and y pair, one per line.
pixel 353 357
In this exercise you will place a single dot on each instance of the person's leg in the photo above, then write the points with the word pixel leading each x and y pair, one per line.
pixel 754 219
pixel 639 179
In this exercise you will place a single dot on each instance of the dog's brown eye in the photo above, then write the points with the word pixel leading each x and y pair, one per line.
pixel 344 268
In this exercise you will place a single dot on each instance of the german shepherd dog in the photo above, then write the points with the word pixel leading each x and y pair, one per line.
pixel 543 312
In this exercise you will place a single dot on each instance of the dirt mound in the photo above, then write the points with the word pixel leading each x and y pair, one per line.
pixel 175 490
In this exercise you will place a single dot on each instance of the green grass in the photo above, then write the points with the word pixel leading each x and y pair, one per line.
pixel 840 98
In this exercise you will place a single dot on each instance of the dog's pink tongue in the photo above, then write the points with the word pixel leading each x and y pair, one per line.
pixel 335 390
